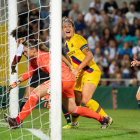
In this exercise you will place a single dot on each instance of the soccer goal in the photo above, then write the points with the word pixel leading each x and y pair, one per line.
pixel 42 123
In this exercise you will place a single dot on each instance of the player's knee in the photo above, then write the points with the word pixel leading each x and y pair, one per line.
pixel 137 96
pixel 85 101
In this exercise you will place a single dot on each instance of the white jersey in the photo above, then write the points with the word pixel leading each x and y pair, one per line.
pixel 20 50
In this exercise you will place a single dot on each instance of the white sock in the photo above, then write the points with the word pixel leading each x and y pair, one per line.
pixel 73 124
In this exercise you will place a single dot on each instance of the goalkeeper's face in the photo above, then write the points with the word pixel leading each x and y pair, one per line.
pixel 29 52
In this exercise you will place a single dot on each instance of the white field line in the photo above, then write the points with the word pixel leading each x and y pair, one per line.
pixel 38 133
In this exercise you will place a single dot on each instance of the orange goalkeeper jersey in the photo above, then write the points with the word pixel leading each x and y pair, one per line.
pixel 43 62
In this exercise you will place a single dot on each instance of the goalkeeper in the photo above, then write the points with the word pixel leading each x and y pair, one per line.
pixel 21 34
pixel 41 58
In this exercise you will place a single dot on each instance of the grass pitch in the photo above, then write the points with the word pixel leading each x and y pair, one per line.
pixel 126 126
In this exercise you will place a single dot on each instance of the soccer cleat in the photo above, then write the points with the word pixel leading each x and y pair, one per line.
pixel 105 122
pixel 5 117
pixel 11 121
pixel 110 120
pixel 69 126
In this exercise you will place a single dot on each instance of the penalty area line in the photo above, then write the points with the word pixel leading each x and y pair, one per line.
pixel 38 133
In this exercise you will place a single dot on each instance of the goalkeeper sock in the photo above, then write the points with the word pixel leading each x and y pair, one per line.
pixel 93 105
pixel 24 100
pixel 139 103
pixel 29 106
pixel 86 112
pixel 67 116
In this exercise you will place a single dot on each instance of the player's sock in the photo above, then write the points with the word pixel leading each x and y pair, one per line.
pixel 93 105
pixel 67 116
pixel 139 103
pixel 24 100
pixel 29 106
pixel 86 112
pixel 75 120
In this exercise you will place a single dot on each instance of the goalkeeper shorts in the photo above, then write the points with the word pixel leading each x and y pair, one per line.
pixel 67 88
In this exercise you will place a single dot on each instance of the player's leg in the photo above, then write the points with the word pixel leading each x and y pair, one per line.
pixel 71 106
pixel 42 77
pixel 90 82
pixel 37 93
pixel 78 97
pixel 27 92
pixel 138 96
pixel 87 93
pixel 67 116
pixel 78 100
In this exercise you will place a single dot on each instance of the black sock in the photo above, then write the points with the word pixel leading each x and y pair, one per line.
pixel 139 103
pixel 67 117
pixel 24 100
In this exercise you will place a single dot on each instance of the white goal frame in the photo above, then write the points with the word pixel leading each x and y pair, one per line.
pixel 56 49
pixel 12 24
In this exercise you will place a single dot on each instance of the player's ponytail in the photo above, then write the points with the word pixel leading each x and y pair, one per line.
pixel 35 43
pixel 22 32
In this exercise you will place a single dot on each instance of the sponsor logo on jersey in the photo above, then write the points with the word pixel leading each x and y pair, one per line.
pixel 71 53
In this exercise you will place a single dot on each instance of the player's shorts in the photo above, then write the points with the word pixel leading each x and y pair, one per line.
pixel 38 78
pixel 92 78
pixel 67 89
pixel 46 84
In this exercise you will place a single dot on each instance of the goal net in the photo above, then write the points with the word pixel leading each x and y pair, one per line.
pixel 40 17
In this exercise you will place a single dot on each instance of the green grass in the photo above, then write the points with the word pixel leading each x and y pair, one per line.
pixel 126 126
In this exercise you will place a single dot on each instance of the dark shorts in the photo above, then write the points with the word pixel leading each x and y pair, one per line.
pixel 38 78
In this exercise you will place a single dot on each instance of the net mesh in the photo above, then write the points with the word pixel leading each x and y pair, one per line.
pixel 35 17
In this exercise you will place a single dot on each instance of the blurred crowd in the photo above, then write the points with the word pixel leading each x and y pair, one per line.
pixel 112 33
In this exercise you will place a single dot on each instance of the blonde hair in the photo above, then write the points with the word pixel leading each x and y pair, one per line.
pixel 34 43
pixel 66 19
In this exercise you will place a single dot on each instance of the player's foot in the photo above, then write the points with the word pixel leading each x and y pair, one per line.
pixel 5 117
pixel 105 122
pixel 110 120
pixel 69 126
pixel 11 121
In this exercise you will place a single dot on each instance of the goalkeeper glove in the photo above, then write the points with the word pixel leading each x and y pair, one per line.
pixel 13 85
pixel 47 99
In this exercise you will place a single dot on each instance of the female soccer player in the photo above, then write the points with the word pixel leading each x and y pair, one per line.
pixel 41 59
pixel 133 64
pixel 85 70
pixel 21 34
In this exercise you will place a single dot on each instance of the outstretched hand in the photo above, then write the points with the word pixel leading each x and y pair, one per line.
pixel 11 86
pixel 13 71
pixel 47 99
pixel 134 63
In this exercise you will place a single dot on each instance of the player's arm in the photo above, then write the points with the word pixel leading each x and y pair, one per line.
pixel 87 59
pixel 14 63
pixel 23 78
pixel 67 62
pixel 17 58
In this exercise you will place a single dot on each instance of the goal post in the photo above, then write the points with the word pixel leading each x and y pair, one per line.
pixel 56 49
pixel 48 118
pixel 12 24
